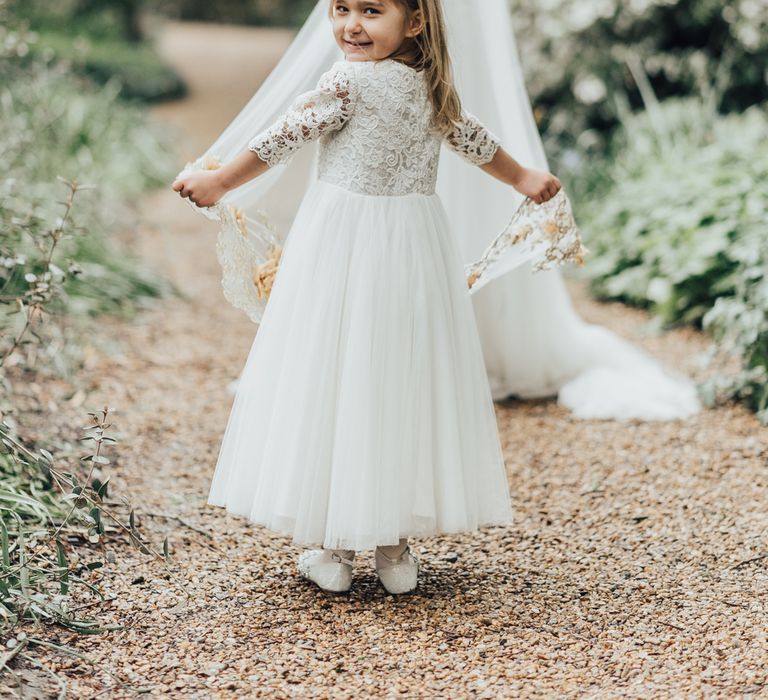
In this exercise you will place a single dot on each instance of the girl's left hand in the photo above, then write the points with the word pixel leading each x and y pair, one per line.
pixel 203 187
pixel 539 185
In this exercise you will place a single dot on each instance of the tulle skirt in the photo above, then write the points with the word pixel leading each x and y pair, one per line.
pixel 363 413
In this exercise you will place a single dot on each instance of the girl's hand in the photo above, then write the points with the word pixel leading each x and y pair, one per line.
pixel 203 187
pixel 539 185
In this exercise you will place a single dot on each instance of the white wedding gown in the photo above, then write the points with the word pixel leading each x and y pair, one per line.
pixel 363 414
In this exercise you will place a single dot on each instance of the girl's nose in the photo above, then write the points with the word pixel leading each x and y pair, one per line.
pixel 353 24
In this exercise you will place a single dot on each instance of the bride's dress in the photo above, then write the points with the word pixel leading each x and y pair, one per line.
pixel 534 343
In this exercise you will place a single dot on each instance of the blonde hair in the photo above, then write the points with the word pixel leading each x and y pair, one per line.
pixel 428 52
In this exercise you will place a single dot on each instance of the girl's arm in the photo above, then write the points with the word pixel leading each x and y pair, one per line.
pixel 206 187
pixel 477 145
pixel 326 108
pixel 539 185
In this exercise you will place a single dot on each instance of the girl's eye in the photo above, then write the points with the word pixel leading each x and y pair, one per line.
pixel 342 10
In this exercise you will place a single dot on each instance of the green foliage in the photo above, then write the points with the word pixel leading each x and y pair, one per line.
pixel 101 19
pixel 136 68
pixel 285 13
pixel 102 41
pixel 58 125
pixel 35 521
pixel 59 261
pixel 740 323
pixel 676 223
pixel 585 60
pixel 58 265
pixel 45 510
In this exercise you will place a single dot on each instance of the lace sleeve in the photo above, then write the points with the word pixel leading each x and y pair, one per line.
pixel 326 108
pixel 472 141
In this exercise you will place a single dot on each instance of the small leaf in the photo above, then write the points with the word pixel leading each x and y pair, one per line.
pixel 102 490
pixel 4 544
pixel 62 559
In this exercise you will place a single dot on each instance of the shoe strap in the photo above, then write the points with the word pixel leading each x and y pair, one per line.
pixel 398 559
pixel 341 560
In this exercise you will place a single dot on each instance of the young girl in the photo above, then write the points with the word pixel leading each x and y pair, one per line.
pixel 363 415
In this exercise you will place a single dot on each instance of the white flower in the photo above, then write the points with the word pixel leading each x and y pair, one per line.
pixel 589 89
pixel 56 271
pixel 659 290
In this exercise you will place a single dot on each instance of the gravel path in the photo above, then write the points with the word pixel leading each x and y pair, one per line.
pixel 627 572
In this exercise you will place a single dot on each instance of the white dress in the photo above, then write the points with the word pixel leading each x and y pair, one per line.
pixel 363 413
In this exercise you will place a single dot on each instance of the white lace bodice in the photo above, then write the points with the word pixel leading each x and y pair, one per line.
pixel 373 119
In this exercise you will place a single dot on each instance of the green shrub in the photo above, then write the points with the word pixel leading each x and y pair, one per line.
pixel 740 323
pixel 285 13
pixel 135 67
pixel 57 263
pixel 676 223
pixel 99 41
pixel 57 125
pixel 578 56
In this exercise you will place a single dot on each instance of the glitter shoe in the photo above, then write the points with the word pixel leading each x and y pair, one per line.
pixel 327 569
pixel 399 575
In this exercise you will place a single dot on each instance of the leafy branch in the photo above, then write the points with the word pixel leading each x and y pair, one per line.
pixel 43 287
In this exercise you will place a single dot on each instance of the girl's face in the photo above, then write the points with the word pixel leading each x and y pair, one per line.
pixel 369 30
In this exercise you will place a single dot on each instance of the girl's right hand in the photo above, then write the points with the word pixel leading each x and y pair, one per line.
pixel 203 187
pixel 539 185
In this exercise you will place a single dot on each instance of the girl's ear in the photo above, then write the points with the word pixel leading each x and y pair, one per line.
pixel 415 24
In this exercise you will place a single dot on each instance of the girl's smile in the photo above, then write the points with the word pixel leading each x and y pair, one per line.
pixel 357 45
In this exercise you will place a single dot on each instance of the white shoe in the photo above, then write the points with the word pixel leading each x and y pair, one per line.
pixel 399 575
pixel 328 570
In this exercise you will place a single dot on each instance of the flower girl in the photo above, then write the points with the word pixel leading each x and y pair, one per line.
pixel 363 415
